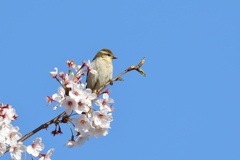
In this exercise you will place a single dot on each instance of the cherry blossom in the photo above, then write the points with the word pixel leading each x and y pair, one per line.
pixel 81 140
pixel 7 114
pixel 69 104
pixel 104 103
pixel 48 155
pixel 36 147
pixel 91 66
pixel 70 144
pixel 102 119
pixel 98 131
pixel 2 148
pixel 60 95
pixel 15 150
pixel 82 123
pixel 54 74
pixel 13 136
pixel 77 91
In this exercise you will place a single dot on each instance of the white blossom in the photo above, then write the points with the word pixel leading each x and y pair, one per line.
pixel 76 91
pixel 81 140
pixel 102 119
pixel 54 74
pixel 69 80
pixel 104 103
pixel 2 148
pixel 8 114
pixel 82 123
pixel 36 147
pixel 13 136
pixel 70 144
pixel 69 104
pixel 48 155
pixel 91 66
pixel 60 95
pixel 98 131
pixel 15 150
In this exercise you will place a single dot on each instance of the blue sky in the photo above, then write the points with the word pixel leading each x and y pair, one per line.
pixel 187 108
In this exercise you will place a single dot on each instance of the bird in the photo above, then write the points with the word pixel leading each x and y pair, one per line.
pixel 104 67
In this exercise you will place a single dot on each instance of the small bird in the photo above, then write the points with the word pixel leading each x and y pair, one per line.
pixel 104 68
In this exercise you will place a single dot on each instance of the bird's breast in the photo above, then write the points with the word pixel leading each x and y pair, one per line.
pixel 104 68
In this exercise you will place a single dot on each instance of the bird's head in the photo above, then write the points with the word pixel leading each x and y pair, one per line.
pixel 106 54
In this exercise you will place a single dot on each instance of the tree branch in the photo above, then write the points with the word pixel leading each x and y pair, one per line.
pixel 56 119
pixel 137 68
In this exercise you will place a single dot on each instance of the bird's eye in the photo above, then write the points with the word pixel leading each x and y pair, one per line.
pixel 109 55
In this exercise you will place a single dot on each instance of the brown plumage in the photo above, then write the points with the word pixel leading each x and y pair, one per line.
pixel 104 68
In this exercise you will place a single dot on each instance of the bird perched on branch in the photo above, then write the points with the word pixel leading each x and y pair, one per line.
pixel 104 68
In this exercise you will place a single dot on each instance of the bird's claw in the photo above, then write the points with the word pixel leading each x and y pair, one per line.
pixel 111 81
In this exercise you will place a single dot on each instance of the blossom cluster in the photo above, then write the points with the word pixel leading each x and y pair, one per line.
pixel 8 133
pixel 9 136
pixel 93 108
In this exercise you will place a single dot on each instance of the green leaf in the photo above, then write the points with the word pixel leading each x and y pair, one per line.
pixel 142 72
pixel 120 79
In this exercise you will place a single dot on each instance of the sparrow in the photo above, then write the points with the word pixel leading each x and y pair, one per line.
pixel 104 67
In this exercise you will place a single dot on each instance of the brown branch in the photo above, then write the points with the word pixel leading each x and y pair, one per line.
pixel 117 78
pixel 43 126
pixel 56 119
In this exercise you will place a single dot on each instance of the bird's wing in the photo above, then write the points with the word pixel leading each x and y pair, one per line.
pixel 91 80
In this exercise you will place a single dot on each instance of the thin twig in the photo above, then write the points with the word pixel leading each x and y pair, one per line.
pixel 131 68
pixel 43 126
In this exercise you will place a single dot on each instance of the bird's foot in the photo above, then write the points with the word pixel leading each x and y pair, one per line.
pixel 111 81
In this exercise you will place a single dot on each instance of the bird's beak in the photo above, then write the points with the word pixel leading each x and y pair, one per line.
pixel 114 57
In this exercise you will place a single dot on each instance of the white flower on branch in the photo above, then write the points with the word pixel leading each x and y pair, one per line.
pixel 2 148
pixel 98 131
pixel 104 103
pixel 89 96
pixel 82 123
pixel 70 144
pixel 91 66
pixel 81 140
pixel 8 114
pixel 102 119
pixel 13 136
pixel 69 104
pixel 48 155
pixel 54 74
pixel 76 91
pixel 60 95
pixel 69 80
pixel 4 131
pixel 84 101
pixel 36 147
pixel 17 149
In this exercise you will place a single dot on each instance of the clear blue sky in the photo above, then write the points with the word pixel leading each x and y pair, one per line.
pixel 187 108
